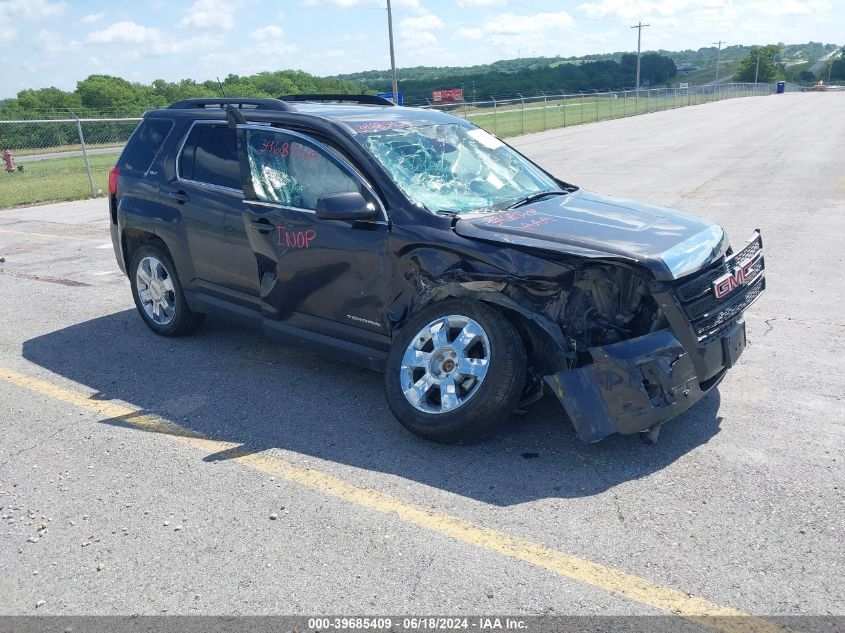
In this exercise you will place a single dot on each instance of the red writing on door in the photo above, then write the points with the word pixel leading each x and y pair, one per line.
pixel 294 238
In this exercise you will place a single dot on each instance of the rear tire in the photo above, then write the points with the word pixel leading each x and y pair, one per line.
pixel 158 294
pixel 456 372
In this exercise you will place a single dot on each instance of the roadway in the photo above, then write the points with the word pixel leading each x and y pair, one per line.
pixel 224 474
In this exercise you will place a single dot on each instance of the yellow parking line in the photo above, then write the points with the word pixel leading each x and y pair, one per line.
pixel 60 236
pixel 618 582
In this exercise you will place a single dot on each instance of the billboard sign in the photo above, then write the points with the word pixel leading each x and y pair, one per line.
pixel 389 96
pixel 452 95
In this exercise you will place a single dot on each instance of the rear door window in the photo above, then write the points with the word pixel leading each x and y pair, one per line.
pixel 210 156
pixel 144 144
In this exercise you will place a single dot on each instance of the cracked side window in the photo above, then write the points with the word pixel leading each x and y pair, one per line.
pixel 287 170
pixel 454 167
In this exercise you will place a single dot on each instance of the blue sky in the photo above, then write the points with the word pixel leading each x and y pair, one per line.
pixel 58 42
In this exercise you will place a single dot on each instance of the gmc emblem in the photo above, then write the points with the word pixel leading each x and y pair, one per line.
pixel 727 282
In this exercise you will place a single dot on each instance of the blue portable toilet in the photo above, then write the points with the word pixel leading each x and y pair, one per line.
pixel 781 87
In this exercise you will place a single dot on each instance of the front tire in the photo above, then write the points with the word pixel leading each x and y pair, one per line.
pixel 158 294
pixel 455 372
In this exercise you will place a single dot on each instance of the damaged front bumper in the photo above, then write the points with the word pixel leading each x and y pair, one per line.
pixel 638 384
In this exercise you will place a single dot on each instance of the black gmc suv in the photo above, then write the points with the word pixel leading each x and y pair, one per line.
pixel 411 241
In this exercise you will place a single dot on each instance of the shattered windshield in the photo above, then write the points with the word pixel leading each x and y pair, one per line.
pixel 453 167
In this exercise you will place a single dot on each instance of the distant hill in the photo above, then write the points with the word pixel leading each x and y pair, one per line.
pixel 498 79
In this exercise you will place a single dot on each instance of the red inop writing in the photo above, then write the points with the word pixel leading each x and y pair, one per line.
pixel 293 238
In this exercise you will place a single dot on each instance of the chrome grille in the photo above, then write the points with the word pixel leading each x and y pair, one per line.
pixel 710 315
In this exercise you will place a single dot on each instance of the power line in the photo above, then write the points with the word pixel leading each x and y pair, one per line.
pixel 639 26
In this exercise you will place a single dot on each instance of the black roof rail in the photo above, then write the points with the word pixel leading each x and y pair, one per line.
pixel 341 98
pixel 238 102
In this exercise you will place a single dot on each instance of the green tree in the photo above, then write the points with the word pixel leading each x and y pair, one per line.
pixel 837 69
pixel 656 69
pixel 769 70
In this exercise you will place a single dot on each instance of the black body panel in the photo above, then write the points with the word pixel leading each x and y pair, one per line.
pixel 348 287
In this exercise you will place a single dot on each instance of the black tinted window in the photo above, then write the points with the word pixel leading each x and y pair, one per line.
pixel 144 144
pixel 215 156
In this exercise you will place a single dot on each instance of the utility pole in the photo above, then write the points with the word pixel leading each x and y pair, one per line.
pixel 719 58
pixel 639 26
pixel 392 55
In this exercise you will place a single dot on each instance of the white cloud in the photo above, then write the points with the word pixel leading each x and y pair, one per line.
pixel 417 32
pixel 7 33
pixel 479 3
pixel 211 15
pixel 473 33
pixel 92 18
pixel 150 41
pixel 52 42
pixel 15 12
pixel 632 9
pixel 408 5
pixel 32 9
pixel 511 34
pixel 522 25
pixel 271 32
pixel 784 7
pixel 425 22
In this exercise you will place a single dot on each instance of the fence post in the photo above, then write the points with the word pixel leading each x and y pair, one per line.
pixel 564 110
pixel 582 107
pixel 495 118
pixel 465 110
pixel 523 113
pixel 545 120
pixel 597 106
pixel 85 155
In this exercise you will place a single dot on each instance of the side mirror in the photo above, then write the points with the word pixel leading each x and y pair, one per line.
pixel 345 206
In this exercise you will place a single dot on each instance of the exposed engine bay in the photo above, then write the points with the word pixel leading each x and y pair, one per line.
pixel 608 304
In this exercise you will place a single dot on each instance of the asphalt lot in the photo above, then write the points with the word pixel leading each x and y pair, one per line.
pixel 740 504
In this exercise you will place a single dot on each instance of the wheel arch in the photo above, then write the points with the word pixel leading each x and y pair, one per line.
pixel 545 344
pixel 133 238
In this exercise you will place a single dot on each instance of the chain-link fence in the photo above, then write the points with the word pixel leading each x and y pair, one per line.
pixel 523 115
pixel 59 159
pixel 68 159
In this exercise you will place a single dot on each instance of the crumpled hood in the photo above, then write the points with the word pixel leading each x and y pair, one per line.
pixel 669 243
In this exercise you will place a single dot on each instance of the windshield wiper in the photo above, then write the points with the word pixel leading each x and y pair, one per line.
pixel 537 196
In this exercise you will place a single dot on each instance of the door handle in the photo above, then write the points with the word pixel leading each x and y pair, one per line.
pixel 179 196
pixel 262 225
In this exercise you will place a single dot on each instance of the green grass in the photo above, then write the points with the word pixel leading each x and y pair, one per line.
pixel 53 180
pixel 29 151
pixel 707 75
pixel 510 120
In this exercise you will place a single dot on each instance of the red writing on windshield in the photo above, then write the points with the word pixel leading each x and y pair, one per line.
pixel 378 126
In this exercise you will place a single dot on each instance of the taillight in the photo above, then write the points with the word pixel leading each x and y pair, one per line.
pixel 114 173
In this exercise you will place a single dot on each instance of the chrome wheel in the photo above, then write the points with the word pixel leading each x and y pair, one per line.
pixel 445 364
pixel 155 290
